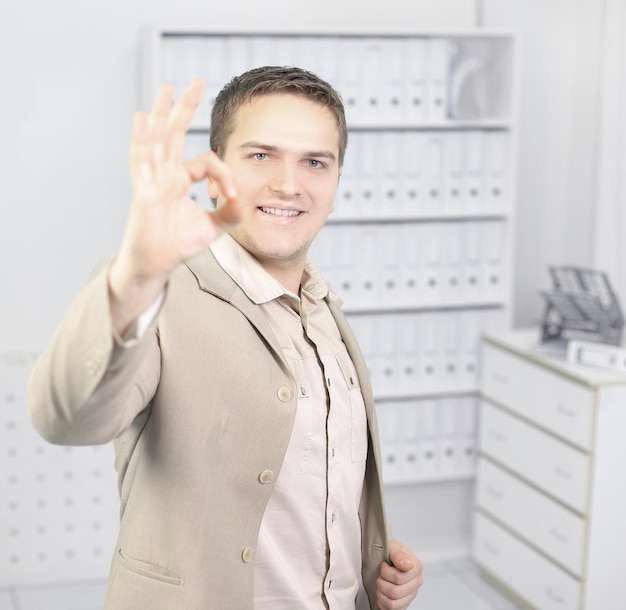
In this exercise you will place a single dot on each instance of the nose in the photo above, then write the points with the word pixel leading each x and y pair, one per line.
pixel 285 180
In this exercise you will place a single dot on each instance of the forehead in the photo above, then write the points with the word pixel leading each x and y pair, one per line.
pixel 285 117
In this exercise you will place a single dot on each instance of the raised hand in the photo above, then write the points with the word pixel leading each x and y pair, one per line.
pixel 164 226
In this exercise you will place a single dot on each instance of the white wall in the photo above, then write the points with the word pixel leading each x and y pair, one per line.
pixel 70 85
pixel 560 70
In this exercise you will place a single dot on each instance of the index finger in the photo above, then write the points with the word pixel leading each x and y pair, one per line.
pixel 180 118
pixel 396 576
pixel 211 166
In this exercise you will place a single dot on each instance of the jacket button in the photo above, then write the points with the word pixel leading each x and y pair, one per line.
pixel 267 476
pixel 284 394
pixel 246 554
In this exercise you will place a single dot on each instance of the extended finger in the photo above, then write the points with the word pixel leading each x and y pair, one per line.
pixel 139 156
pixel 180 118
pixel 211 166
pixel 157 121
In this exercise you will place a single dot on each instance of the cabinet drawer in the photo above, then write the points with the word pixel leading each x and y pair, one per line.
pixel 536 518
pixel 547 398
pixel 551 465
pixel 533 577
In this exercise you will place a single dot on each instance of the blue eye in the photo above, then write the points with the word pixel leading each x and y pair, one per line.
pixel 260 156
pixel 315 163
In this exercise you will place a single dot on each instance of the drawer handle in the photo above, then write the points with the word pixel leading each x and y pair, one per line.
pixel 564 474
pixel 490 548
pixel 497 436
pixel 494 493
pixel 560 536
pixel 559 599
pixel 500 378
pixel 568 412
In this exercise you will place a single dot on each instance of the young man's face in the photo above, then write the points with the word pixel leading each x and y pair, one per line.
pixel 283 153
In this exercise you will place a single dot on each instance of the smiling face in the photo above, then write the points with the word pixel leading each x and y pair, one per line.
pixel 283 153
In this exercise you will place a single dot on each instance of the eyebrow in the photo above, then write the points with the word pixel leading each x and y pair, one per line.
pixel 324 154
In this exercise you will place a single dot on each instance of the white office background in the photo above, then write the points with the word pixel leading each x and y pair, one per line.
pixel 70 83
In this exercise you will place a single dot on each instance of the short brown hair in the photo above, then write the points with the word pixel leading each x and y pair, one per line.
pixel 268 80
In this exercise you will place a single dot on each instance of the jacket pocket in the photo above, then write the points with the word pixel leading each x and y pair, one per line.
pixel 147 569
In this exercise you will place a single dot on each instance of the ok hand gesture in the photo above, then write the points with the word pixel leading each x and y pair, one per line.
pixel 164 226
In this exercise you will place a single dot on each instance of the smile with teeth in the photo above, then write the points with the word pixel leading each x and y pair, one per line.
pixel 279 211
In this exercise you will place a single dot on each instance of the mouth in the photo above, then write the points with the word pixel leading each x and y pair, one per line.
pixel 279 212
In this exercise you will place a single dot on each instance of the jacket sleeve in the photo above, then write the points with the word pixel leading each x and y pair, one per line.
pixel 88 386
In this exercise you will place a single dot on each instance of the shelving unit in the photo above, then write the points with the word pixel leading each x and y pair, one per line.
pixel 420 244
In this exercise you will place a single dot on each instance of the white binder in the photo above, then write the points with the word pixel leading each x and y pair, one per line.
pixel 453 170
pixel 452 276
pixel 437 79
pixel 448 436
pixel 408 345
pixel 350 79
pixel 412 192
pixel 395 78
pixel 411 280
pixel 466 446
pixel 493 259
pixel 392 258
pixel 237 56
pixel 371 59
pixel 369 187
pixel 474 153
pixel 432 259
pixel 473 276
pixel 431 201
pixel 496 145
pixel 390 168
pixel 347 195
pixel 429 436
pixel 409 417
pixel 366 244
pixel 391 441
pixel 415 53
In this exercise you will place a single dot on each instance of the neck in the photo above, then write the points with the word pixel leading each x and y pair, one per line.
pixel 287 272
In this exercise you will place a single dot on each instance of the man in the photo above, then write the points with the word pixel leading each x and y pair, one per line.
pixel 212 352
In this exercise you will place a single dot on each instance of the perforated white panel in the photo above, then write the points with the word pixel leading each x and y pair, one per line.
pixel 58 505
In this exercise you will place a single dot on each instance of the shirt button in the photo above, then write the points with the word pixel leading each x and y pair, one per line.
pixel 267 476
pixel 246 554
pixel 284 394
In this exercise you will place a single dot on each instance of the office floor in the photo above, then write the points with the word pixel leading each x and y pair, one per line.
pixel 456 585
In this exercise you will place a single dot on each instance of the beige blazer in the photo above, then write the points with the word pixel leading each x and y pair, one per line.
pixel 201 410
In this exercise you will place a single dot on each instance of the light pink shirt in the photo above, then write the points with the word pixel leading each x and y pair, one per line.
pixel 308 555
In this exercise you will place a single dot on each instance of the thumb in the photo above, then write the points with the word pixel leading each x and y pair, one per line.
pixel 403 563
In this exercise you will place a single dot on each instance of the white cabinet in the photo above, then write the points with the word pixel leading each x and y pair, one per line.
pixel 419 244
pixel 550 493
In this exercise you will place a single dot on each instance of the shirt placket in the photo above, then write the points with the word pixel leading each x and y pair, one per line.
pixel 333 378
pixel 333 477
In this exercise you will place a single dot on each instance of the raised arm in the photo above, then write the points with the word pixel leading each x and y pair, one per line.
pixel 164 227
pixel 87 387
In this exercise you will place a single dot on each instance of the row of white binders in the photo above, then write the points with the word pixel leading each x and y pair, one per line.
pixel 411 174
pixel 427 438
pixel 420 353
pixel 399 265
pixel 383 80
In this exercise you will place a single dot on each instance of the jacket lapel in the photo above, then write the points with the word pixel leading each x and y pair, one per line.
pixel 214 280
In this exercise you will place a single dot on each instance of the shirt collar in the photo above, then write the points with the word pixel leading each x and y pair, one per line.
pixel 258 285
